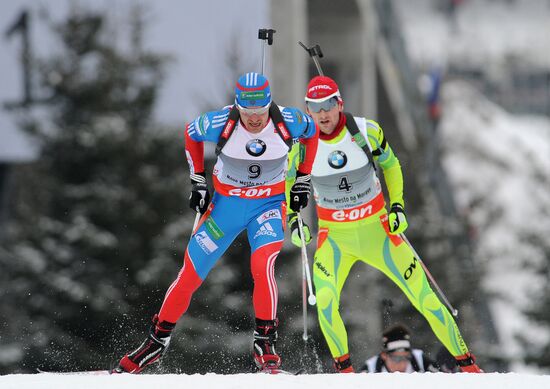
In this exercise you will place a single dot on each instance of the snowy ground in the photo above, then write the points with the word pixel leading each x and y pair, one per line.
pixel 257 381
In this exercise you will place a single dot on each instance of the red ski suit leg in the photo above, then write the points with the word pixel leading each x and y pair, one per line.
pixel 178 295
pixel 262 266
pixel 264 297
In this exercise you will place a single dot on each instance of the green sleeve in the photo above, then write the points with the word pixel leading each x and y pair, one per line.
pixel 387 160
pixel 294 158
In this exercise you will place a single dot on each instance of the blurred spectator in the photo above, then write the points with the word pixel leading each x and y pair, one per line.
pixel 434 98
pixel 452 7
pixel 398 355
pixel 430 86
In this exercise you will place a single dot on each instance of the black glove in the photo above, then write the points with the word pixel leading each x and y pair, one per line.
pixel 299 193
pixel 397 220
pixel 199 197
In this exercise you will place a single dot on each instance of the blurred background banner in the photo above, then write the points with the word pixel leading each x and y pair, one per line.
pixel 93 178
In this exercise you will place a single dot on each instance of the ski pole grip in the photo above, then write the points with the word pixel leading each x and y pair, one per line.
pixel 316 50
pixel 266 34
pixel 315 53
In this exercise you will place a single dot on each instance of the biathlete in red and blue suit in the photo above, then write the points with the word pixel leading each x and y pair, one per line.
pixel 253 138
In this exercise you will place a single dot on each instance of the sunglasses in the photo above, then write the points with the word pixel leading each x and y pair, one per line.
pixel 326 105
pixel 399 358
pixel 252 111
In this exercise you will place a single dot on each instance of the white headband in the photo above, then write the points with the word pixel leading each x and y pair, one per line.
pixel 398 344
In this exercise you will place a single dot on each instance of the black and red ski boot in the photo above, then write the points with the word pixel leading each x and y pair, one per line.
pixel 343 364
pixel 265 338
pixel 467 363
pixel 150 350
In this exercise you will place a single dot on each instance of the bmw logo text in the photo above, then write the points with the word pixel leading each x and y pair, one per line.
pixel 255 147
pixel 337 159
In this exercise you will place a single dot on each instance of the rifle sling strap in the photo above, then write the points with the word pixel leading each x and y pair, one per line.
pixel 234 117
pixel 359 138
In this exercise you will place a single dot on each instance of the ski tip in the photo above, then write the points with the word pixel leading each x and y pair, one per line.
pixel 275 370
pixel 80 372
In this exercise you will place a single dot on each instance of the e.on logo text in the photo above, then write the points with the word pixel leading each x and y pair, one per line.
pixel 250 192
pixel 353 214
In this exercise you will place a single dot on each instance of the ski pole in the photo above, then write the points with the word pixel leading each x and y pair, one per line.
pixel 315 53
pixel 311 299
pixel 197 218
pixel 453 311
pixel 266 35
pixel 304 303
pixel 306 277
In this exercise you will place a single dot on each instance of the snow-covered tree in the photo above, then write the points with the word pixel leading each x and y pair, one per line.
pixel 98 219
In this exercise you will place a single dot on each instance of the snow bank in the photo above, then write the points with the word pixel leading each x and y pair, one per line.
pixel 264 381
pixel 499 166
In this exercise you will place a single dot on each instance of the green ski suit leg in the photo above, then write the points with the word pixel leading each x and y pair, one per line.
pixel 340 245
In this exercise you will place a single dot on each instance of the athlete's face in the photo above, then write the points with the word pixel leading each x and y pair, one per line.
pixel 326 119
pixel 397 361
pixel 254 121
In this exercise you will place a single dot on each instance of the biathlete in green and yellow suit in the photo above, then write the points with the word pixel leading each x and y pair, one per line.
pixel 355 226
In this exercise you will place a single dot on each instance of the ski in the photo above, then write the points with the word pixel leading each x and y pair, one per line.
pixel 279 371
pixel 81 372
pixel 109 372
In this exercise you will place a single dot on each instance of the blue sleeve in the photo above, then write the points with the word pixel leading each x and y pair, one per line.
pixel 298 123
pixel 208 126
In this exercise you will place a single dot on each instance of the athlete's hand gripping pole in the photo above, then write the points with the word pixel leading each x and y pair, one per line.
pixel 453 311
pixel 266 35
pixel 199 198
